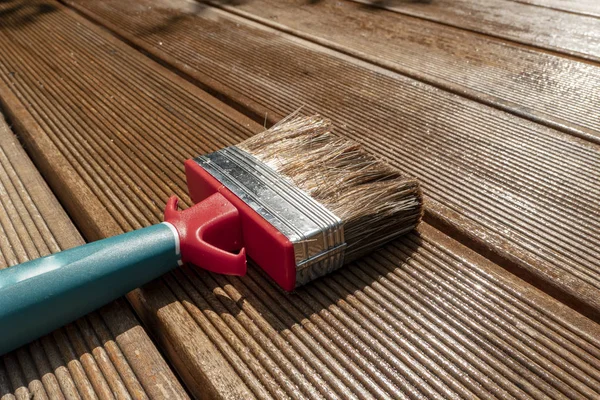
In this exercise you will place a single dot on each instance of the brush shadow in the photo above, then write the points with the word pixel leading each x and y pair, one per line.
pixel 256 299
pixel 323 297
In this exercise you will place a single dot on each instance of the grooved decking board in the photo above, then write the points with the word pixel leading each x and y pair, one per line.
pixel 102 355
pixel 557 91
pixel 524 193
pixel 547 28
pixel 424 317
pixel 85 104
pixel 585 7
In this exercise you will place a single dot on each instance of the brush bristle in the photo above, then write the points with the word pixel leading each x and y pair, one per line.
pixel 375 201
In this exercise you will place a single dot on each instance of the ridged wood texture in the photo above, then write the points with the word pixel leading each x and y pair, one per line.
pixel 585 7
pixel 544 87
pixel 527 195
pixel 424 317
pixel 543 27
pixel 104 355
pixel 86 107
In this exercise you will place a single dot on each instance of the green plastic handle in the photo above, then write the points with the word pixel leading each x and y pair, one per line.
pixel 41 295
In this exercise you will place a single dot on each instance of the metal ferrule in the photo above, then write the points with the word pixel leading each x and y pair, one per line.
pixel 316 233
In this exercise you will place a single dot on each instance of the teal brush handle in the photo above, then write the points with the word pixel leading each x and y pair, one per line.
pixel 41 295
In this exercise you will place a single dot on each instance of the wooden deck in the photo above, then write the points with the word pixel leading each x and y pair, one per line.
pixel 104 355
pixel 494 105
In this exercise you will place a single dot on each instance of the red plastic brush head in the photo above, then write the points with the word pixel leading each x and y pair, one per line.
pixel 267 246
pixel 298 200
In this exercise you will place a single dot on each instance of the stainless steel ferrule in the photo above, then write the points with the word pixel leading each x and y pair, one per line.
pixel 316 233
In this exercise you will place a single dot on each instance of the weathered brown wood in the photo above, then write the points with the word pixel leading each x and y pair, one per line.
pixel 585 7
pixel 84 79
pixel 424 317
pixel 110 345
pixel 530 200
pixel 548 88
pixel 547 28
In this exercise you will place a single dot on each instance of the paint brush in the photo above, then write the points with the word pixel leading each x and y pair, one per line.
pixel 297 199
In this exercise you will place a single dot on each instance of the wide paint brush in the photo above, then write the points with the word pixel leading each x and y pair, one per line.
pixel 297 199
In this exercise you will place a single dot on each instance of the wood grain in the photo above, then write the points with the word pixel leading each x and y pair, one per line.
pixel 584 7
pixel 547 88
pixel 521 193
pixel 84 89
pixel 546 28
pixel 423 318
pixel 104 355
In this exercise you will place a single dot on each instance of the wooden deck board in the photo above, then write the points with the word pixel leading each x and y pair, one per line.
pixel 547 28
pixel 79 81
pixel 526 186
pixel 104 354
pixel 585 7
pixel 548 88
pixel 424 317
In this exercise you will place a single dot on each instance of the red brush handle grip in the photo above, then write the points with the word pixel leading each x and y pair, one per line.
pixel 209 232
